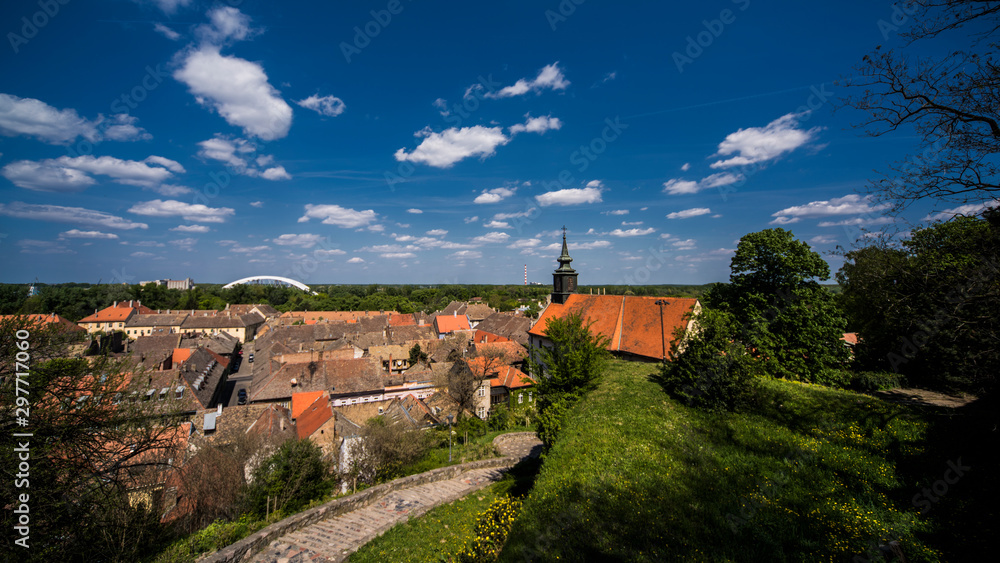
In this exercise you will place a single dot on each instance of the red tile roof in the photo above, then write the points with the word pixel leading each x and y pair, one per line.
pixel 37 319
pixel 850 338
pixel 450 323
pixel 119 312
pixel 511 378
pixel 632 323
pixel 399 319
pixel 313 415
pixel 302 401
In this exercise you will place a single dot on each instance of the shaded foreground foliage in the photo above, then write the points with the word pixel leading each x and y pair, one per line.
pixel 813 474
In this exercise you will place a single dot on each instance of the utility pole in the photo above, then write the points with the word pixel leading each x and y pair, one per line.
pixel 663 336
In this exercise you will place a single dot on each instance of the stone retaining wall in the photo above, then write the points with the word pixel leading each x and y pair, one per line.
pixel 252 544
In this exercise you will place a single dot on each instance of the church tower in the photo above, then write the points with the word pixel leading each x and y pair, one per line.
pixel 564 278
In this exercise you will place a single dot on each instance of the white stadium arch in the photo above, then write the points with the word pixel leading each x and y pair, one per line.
pixel 271 279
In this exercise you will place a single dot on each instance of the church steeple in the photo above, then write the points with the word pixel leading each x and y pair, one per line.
pixel 564 278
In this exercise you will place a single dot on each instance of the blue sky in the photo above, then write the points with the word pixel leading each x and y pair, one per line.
pixel 405 142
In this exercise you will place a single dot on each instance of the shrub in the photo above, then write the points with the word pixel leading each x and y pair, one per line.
pixel 290 478
pixel 492 528
pixel 713 371
pixel 870 381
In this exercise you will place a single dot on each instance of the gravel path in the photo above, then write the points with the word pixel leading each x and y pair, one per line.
pixel 334 539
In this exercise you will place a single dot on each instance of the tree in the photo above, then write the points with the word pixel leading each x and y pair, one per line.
pixel 384 449
pixel 926 308
pixel 785 317
pixel 96 453
pixel 290 478
pixel 713 368
pixel 950 102
pixel 566 371
pixel 417 355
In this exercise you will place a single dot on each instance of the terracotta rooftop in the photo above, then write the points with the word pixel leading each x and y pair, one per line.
pixel 301 401
pixel 155 319
pixel 313 415
pixel 337 376
pixel 40 319
pixel 450 323
pixel 511 378
pixel 119 312
pixel 514 327
pixel 632 323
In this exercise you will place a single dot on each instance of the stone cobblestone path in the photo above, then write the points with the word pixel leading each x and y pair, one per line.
pixel 334 539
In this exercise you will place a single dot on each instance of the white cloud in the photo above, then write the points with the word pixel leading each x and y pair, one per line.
pixel 495 195
pixel 188 211
pixel 328 252
pixel 141 254
pixel 761 144
pixel 76 233
pixel 536 125
pixel 398 255
pixel 856 222
pixel 783 221
pixel 75 173
pixel 276 173
pixel 191 228
pixel 166 32
pixel 356 260
pixel 687 213
pixel 497 225
pixel 238 90
pixel 466 254
pixel 685 244
pixel 632 232
pixel 677 186
pixel 256 204
pixel 227 24
pixel 442 150
pixel 472 219
pixel 969 210
pixel 77 215
pixel 578 246
pixel 851 204
pixel 415 211
pixel 35 118
pixel 236 153
pixel 525 243
pixel 122 127
pixel 304 240
pixel 185 243
pixel 685 167
pixel 492 237
pixel 169 7
pixel 615 212
pixel 631 223
pixel 339 216
pixel 437 232
pixel 549 78
pixel 330 106
pixel 570 196
pixel 515 215
pixel 822 239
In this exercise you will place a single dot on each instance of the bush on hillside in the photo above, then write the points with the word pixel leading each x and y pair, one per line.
pixel 713 370
pixel 289 479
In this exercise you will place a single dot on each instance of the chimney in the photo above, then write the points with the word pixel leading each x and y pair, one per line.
pixel 129 303
pixel 219 412
pixel 454 313
pixel 116 304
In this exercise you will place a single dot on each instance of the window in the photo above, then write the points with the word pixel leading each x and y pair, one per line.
pixel 481 412
pixel 482 390
pixel 520 398
pixel 529 396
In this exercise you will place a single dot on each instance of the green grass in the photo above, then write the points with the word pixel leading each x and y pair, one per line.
pixel 812 475
pixel 445 530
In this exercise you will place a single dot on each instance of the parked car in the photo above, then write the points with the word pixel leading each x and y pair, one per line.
pixel 251 358
pixel 241 397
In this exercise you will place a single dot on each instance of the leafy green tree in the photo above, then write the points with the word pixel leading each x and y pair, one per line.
pixel 291 477
pixel 567 370
pixel 384 450
pixel 785 316
pixel 92 445
pixel 926 310
pixel 417 355
pixel 713 368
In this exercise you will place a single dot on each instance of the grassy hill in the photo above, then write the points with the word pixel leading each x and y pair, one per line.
pixel 814 475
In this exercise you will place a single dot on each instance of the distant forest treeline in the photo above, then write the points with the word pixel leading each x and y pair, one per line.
pixel 75 300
